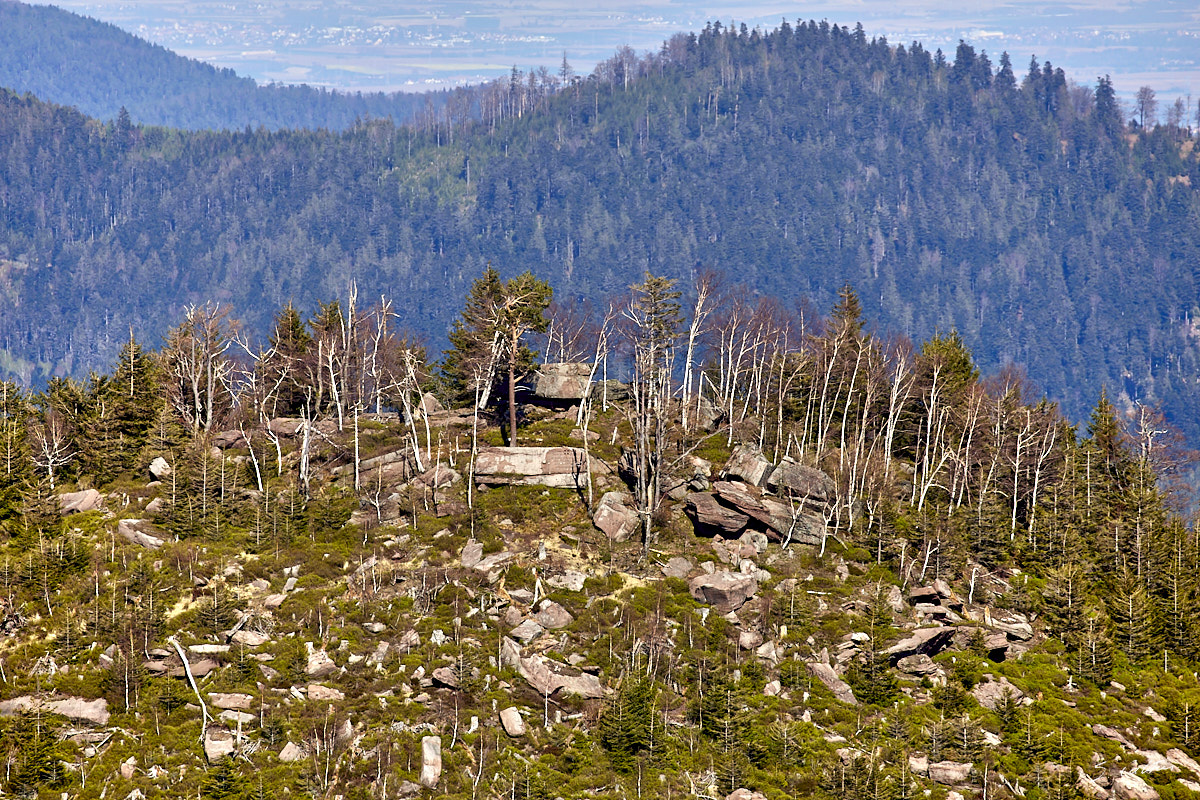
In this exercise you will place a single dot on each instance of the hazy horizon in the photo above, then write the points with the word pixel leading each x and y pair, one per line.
pixel 370 45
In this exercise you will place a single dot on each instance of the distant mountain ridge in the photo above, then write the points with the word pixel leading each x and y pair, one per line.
pixel 98 68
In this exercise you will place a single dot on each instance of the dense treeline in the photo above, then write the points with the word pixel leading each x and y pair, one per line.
pixel 98 68
pixel 1019 210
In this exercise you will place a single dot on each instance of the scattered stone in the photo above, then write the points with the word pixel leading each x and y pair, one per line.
pixel 548 676
pixel 236 718
pixel 374 627
pixel 992 693
pixel 919 664
pixel 431 761
pixel 218 743
pixel 571 580
pixel 678 567
pixel 616 517
pixel 319 663
pixel 748 464
pixel 291 752
pixel 949 773
pixel 1112 734
pixel 135 531
pixel 1153 715
pixel 919 765
pixel 440 476
pixel 249 638
pixel 756 540
pixel 1155 762
pixel 563 381
pixel 154 506
pixel 438 637
pixel 233 700
pixel 553 616
pixel 825 674
pixel 801 481
pixel 79 502
pixel 1183 760
pixel 128 767
pixel 527 631
pixel 446 677
pixel 1127 786
pixel 728 591
pixel 472 553
pixel 773 689
pixel 274 600
pixel 317 691
pixel 513 724
pixel 208 649
pixel 160 469
pixel 745 794
pixel 749 640
pixel 493 561
pixel 379 655
pixel 1088 787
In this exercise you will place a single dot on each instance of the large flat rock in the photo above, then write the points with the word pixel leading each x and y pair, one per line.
pixel 555 467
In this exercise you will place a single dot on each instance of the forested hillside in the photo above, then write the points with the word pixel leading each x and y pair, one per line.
pixel 1015 208
pixel 98 68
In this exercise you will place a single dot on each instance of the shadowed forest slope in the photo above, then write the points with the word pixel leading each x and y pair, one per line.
pixel 1018 209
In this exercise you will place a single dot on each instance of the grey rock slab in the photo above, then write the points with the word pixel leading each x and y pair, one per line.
pixel 748 464
pixel 1088 787
pixel 446 676
pixel 218 743
pixel 919 664
pixel 1112 734
pixel 745 794
pixel 292 752
pixel 1183 760
pixel 160 469
pixel 472 553
pixel 231 700
pixel 514 724
pixel 562 381
pixel 826 675
pixel 616 516
pixel 1128 786
pixel 678 567
pixel 317 691
pixel 554 467
pixel 527 631
pixel 570 580
pixel 431 761
pixel 801 481
pixel 493 561
pixel 319 663
pixel 992 693
pixel 80 502
pixel 949 773
pixel 728 591
pixel 136 532
pixel 553 616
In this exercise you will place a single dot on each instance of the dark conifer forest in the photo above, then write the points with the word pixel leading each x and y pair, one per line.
pixel 955 193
